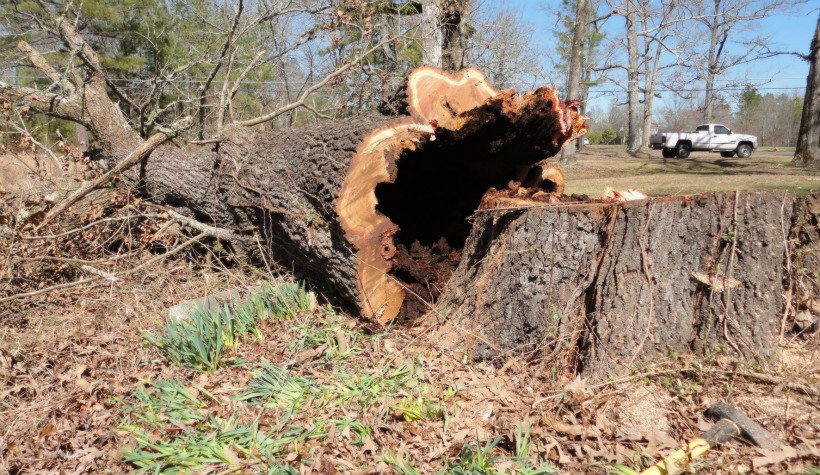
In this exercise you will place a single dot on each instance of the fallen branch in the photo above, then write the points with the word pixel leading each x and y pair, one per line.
pixel 213 231
pixel 40 63
pixel 68 285
pixel 765 378
pixel 70 260
pixel 89 225
pixel 222 234
pixel 132 159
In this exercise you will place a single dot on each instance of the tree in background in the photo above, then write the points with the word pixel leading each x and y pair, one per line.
pixel 653 40
pixel 456 34
pixel 394 26
pixel 574 76
pixel 445 33
pixel 578 33
pixel 432 35
pixel 773 118
pixel 725 23
pixel 500 43
pixel 593 37
pixel 807 151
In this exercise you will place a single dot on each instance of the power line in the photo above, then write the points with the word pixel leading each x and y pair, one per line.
pixel 718 89
pixel 592 89
pixel 756 79
pixel 283 83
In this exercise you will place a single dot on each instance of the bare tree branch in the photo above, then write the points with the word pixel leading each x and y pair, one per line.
pixel 303 97
pixel 40 63
pixel 203 90
pixel 238 82
pixel 48 103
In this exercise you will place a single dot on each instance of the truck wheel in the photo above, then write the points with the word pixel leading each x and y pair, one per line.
pixel 744 151
pixel 683 150
pixel 668 153
pixel 727 154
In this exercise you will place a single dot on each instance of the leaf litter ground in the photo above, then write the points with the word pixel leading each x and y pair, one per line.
pixel 313 391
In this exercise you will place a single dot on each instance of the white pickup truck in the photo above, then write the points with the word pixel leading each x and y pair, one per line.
pixel 707 137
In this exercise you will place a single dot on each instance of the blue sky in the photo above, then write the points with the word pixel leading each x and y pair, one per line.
pixel 789 32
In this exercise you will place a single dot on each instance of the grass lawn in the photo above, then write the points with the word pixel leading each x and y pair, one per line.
pixel 603 166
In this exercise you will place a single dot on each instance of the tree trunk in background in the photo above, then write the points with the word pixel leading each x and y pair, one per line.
pixel 568 158
pixel 387 27
pixel 455 35
pixel 609 287
pixel 651 75
pixel 807 151
pixel 633 143
pixel 432 38
pixel 711 60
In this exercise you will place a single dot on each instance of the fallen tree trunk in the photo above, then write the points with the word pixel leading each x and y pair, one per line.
pixel 374 205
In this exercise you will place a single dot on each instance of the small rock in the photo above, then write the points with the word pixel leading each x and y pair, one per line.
pixel 212 302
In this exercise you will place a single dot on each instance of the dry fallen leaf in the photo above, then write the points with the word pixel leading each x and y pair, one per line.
pixel 230 454
pixel 771 457
pixel 719 283
pixel 47 430
pixel 577 387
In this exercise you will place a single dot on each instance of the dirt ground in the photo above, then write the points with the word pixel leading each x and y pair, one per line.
pixel 75 367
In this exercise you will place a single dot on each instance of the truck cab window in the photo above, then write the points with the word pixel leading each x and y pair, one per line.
pixel 702 128
pixel 719 129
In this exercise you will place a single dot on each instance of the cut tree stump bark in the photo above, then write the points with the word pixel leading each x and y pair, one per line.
pixel 609 286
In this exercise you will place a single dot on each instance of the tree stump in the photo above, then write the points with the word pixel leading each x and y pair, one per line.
pixel 608 286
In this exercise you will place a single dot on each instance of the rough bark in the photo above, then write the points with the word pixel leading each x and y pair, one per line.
pixel 804 237
pixel 455 35
pixel 807 151
pixel 605 287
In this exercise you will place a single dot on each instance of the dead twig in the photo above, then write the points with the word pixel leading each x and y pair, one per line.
pixel 105 275
pixel 91 225
pixel 789 274
pixel 729 274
